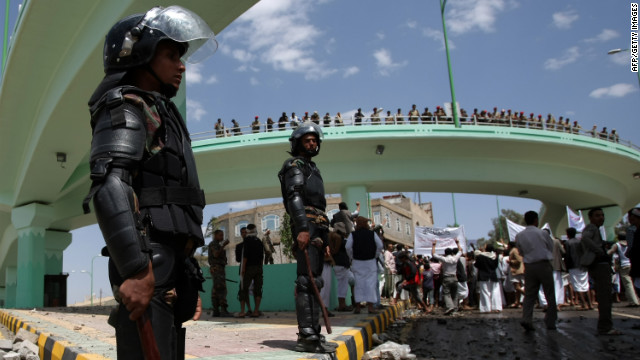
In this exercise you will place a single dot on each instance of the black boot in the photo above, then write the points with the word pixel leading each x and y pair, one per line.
pixel 224 312
pixel 310 342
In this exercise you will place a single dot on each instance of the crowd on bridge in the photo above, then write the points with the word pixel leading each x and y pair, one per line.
pixel 377 116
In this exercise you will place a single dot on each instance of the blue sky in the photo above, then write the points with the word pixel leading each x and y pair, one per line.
pixel 338 55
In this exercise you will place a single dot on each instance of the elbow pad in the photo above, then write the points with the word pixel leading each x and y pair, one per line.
pixel 294 187
pixel 115 208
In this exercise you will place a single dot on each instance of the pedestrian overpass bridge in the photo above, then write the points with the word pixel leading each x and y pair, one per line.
pixel 43 114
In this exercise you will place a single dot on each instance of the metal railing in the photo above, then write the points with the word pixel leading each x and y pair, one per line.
pixel 408 120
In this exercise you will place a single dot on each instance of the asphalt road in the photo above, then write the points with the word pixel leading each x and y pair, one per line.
pixel 471 335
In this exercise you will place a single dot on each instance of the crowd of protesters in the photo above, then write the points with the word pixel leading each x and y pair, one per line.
pixel 494 276
pixel 378 116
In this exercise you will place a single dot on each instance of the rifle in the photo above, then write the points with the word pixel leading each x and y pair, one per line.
pixel 325 315
pixel 148 341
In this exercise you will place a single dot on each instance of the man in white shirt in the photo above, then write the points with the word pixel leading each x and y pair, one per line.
pixel 449 278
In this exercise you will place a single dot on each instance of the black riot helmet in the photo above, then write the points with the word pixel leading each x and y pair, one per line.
pixel 303 129
pixel 132 42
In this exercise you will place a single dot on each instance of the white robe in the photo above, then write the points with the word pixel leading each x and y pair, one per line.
pixel 365 273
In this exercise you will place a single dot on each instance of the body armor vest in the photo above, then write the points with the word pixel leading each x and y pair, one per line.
pixel 312 191
pixel 166 182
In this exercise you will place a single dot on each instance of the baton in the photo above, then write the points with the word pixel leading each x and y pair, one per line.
pixel 233 281
pixel 148 341
pixel 317 292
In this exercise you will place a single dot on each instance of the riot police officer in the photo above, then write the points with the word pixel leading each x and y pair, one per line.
pixel 145 189
pixel 303 196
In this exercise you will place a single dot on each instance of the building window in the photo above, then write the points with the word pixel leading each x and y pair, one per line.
pixel 271 222
pixel 376 217
pixel 330 213
pixel 240 225
pixel 398 229
pixel 387 219
pixel 407 228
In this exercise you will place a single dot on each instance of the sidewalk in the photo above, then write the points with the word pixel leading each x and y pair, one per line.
pixel 83 333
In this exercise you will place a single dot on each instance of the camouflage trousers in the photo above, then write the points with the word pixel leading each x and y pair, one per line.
pixel 219 290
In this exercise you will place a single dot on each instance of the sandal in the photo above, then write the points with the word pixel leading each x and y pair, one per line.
pixel 239 315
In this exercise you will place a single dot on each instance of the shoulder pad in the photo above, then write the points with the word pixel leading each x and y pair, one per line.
pixel 119 133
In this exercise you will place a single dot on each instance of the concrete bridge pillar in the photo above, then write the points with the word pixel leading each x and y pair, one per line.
pixel 556 216
pixel 31 221
pixel 351 194
pixel 10 281
pixel 55 244
pixel 612 214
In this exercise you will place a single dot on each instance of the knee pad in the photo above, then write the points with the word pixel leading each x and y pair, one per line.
pixel 163 261
pixel 303 284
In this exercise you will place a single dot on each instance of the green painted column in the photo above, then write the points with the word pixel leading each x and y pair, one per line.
pixel 56 243
pixel 10 281
pixel 612 214
pixel 352 194
pixel 556 216
pixel 31 221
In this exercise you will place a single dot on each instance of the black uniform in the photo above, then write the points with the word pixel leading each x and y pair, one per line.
pixel 303 196
pixel 166 226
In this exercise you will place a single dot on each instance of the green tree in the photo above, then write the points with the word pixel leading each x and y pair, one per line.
pixel 500 230
pixel 286 237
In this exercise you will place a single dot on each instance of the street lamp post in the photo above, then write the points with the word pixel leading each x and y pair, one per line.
pixel 455 217
pixel 454 107
pixel 91 294
pixel 615 51
pixel 499 217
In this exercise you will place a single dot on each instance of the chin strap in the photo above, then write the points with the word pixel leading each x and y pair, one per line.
pixel 165 89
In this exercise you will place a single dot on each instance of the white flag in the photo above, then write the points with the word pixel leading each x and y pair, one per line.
pixel 513 229
pixel 575 221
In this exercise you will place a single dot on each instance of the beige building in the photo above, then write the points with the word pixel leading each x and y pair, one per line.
pixel 400 216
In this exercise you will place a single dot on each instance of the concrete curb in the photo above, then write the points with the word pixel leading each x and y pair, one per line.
pixel 50 348
pixel 353 343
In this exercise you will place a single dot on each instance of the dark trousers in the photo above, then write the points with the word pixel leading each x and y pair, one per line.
pixel 536 274
pixel 166 329
pixel 601 274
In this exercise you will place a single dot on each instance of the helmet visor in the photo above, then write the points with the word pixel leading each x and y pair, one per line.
pixel 185 26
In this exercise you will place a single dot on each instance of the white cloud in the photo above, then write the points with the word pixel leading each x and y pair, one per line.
pixel 613 91
pixel 380 35
pixel 351 71
pixel 211 80
pixel 243 205
pixel 412 24
pixel 621 58
pixel 194 74
pixel 564 19
pixel 605 35
pixel 467 15
pixel 195 110
pixel 280 34
pixel 385 62
pixel 569 56
pixel 254 81
pixel 437 36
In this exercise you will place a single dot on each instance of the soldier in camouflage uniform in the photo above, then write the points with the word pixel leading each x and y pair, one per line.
pixel 217 263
